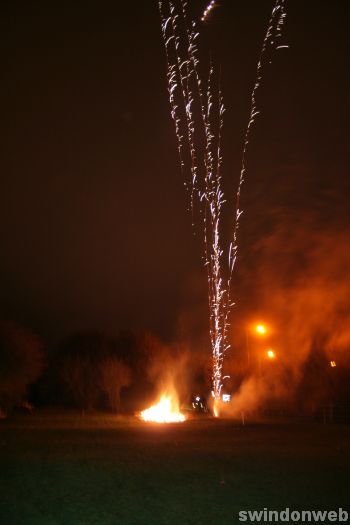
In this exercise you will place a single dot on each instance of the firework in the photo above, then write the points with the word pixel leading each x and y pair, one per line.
pixel 271 41
pixel 207 10
pixel 197 109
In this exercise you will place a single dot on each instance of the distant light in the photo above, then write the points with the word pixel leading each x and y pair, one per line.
pixel 198 398
pixel 261 329
pixel 333 364
pixel 271 354
pixel 226 398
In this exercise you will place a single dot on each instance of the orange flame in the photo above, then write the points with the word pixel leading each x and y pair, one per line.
pixel 165 411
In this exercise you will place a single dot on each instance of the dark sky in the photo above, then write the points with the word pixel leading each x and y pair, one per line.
pixel 93 224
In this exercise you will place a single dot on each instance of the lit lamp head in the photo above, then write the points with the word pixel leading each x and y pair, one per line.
pixel 260 329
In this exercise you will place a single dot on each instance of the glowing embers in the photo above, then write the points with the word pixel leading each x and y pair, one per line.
pixel 165 411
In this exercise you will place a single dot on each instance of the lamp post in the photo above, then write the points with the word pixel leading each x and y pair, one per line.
pixel 259 330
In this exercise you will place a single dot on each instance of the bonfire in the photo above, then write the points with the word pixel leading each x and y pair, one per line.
pixel 165 411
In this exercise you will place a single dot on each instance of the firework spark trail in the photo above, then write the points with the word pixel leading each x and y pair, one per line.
pixel 207 10
pixel 183 76
pixel 185 92
pixel 212 197
pixel 188 100
pixel 217 302
pixel 167 26
pixel 274 30
pixel 271 40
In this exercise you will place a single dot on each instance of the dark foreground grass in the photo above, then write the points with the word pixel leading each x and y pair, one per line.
pixel 74 470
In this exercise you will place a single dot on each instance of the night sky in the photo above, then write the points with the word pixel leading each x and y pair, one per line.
pixel 93 223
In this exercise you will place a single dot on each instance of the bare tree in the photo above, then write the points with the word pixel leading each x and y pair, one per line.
pixel 21 362
pixel 114 375
pixel 79 376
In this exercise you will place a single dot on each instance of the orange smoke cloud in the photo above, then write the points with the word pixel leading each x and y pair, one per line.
pixel 302 283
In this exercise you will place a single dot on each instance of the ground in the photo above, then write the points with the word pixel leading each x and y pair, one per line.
pixel 73 469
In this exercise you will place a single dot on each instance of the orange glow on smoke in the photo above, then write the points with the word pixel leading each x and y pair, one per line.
pixel 165 411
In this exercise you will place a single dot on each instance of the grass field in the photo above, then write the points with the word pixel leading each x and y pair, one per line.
pixel 103 470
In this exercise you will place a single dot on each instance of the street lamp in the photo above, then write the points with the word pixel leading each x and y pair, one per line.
pixel 260 329
pixel 270 353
